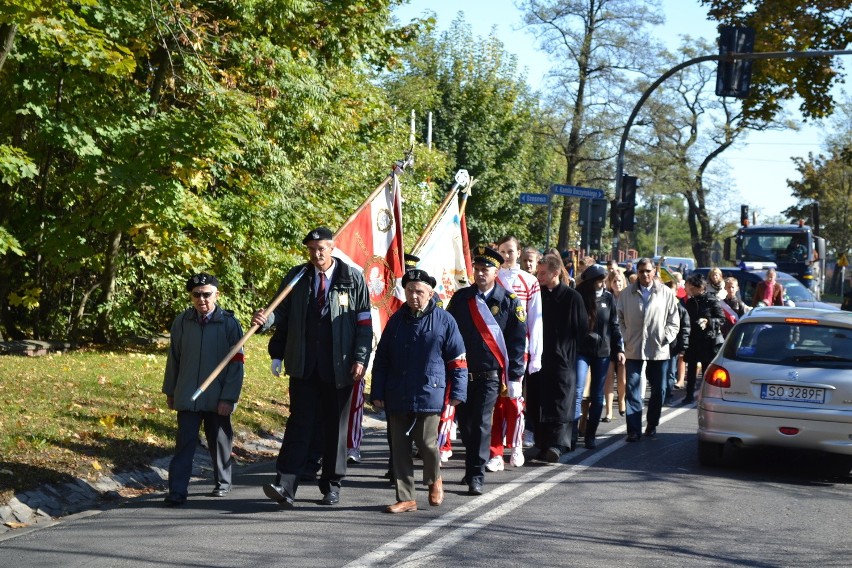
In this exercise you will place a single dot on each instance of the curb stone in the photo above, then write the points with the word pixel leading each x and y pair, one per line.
pixel 44 504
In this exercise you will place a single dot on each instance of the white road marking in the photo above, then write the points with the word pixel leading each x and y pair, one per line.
pixel 426 554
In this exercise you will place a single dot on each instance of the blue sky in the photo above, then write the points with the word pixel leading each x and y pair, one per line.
pixel 759 167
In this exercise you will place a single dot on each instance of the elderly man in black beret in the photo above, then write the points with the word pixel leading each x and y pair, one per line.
pixel 323 336
pixel 492 322
pixel 420 355
pixel 201 337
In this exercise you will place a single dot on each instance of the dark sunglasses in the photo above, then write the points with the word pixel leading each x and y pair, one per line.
pixel 204 295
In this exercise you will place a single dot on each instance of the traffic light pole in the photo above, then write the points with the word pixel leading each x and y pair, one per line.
pixel 619 160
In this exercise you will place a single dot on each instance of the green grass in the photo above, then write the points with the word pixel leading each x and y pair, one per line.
pixel 86 413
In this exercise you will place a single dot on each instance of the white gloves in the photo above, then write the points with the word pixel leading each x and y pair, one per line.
pixel 514 388
pixel 275 367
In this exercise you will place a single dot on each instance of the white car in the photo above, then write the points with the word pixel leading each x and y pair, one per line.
pixel 783 378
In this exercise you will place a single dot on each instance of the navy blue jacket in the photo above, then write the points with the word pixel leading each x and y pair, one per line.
pixel 414 359
pixel 510 316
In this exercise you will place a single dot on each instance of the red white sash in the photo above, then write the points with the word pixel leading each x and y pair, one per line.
pixel 491 333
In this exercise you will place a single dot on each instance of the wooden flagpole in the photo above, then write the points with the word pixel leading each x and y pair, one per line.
pixel 409 159
pixel 462 179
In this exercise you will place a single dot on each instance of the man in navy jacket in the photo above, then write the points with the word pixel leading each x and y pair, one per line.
pixel 420 362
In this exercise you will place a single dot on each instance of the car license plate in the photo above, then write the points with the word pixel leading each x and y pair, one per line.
pixel 792 393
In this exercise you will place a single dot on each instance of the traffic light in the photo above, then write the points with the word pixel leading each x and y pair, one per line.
pixel 744 215
pixel 733 78
pixel 628 202
pixel 590 233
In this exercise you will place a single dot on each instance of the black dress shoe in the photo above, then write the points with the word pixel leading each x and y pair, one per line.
pixel 688 400
pixel 590 444
pixel 475 488
pixel 605 419
pixel 651 432
pixel 277 494
pixel 552 454
pixel 632 437
pixel 172 501
pixel 219 492
pixel 330 498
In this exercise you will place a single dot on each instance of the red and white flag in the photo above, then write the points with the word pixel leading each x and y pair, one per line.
pixel 445 254
pixel 730 314
pixel 372 241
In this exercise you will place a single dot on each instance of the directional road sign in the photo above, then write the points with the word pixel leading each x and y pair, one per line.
pixel 577 191
pixel 535 198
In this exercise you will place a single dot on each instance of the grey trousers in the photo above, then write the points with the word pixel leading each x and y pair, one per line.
pixel 219 434
pixel 424 431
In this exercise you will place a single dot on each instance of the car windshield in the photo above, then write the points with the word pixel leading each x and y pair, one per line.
pixel 795 290
pixel 784 247
pixel 792 344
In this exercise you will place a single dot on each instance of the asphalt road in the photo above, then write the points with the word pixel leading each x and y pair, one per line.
pixel 645 504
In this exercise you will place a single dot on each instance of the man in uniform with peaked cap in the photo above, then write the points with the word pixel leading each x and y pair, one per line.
pixel 492 323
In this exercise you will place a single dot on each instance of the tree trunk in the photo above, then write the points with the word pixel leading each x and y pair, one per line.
pixel 100 334
pixel 7 41
pixel 77 317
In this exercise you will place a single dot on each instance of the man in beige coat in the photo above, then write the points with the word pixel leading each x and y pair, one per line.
pixel 648 316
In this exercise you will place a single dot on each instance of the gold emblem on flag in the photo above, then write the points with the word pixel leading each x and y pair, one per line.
pixel 384 220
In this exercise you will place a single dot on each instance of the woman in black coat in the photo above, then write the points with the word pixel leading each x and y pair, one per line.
pixel 705 335
pixel 601 345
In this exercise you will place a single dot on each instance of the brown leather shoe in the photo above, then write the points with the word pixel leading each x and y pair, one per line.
pixel 402 507
pixel 436 493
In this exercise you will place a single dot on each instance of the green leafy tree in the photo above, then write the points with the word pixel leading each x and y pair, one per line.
pixel 790 25
pixel 684 131
pixel 144 141
pixel 597 44
pixel 826 179
pixel 485 120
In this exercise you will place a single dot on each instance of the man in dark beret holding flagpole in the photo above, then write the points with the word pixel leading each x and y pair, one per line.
pixel 492 323
pixel 200 338
pixel 323 337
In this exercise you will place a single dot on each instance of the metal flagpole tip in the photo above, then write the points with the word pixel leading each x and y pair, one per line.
pixel 197 394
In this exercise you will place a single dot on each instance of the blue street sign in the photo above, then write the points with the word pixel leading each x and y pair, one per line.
pixel 577 191
pixel 535 198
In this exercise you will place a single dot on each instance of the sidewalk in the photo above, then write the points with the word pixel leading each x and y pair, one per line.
pixel 49 502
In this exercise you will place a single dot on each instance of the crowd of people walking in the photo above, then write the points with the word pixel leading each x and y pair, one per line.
pixel 537 351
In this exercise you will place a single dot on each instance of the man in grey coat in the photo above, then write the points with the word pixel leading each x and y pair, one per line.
pixel 201 337
pixel 649 320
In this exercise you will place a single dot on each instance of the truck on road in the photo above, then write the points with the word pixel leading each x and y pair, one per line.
pixel 794 249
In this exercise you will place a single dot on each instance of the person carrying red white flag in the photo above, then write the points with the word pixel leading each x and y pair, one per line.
pixel 447 231
pixel 371 239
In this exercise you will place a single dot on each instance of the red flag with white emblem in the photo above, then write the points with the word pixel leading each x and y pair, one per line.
pixel 372 240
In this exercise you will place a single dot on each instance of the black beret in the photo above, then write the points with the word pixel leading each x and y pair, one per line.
pixel 410 260
pixel 319 234
pixel 488 255
pixel 593 272
pixel 417 275
pixel 201 279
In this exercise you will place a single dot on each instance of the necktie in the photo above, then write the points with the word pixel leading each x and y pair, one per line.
pixel 321 291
